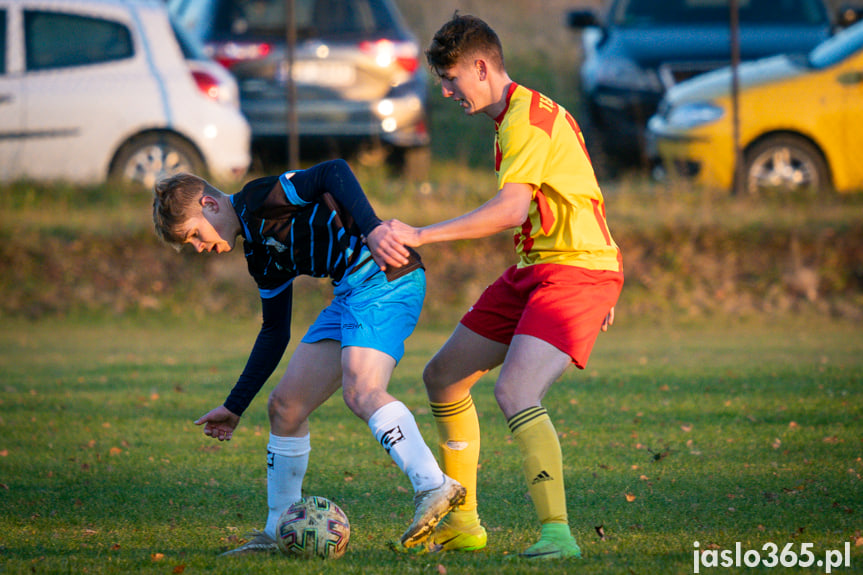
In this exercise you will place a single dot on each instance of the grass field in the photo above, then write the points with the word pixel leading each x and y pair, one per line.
pixel 741 431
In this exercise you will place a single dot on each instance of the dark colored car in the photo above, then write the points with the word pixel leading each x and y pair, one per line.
pixel 360 84
pixel 640 48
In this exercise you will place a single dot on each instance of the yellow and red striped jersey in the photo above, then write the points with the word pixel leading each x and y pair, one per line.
pixel 538 142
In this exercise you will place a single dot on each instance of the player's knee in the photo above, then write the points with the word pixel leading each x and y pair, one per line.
pixel 351 398
pixel 281 410
pixel 505 398
pixel 433 374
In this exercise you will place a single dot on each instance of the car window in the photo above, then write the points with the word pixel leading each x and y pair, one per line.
pixel 191 49
pixel 58 40
pixel 2 41
pixel 315 18
pixel 639 13
pixel 837 48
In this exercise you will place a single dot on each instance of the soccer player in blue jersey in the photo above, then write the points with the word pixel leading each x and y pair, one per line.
pixel 315 222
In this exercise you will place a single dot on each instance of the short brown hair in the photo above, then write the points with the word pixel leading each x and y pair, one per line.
pixel 174 201
pixel 464 36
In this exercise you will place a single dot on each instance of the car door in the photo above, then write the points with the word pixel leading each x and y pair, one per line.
pixel 85 91
pixel 851 80
pixel 11 108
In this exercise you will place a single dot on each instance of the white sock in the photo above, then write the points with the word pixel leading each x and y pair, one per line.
pixel 287 460
pixel 396 430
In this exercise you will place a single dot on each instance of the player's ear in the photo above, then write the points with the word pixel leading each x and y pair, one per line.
pixel 481 68
pixel 208 202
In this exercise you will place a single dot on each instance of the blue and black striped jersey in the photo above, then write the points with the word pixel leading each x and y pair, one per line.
pixel 299 223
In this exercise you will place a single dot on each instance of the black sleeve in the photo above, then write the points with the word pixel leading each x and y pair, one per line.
pixel 337 178
pixel 267 352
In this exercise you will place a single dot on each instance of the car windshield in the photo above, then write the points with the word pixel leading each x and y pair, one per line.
pixel 837 48
pixel 315 18
pixel 651 13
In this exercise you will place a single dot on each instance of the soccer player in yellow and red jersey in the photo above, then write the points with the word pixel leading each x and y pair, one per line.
pixel 543 313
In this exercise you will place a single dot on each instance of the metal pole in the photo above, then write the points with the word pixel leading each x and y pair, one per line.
pixel 293 141
pixel 739 184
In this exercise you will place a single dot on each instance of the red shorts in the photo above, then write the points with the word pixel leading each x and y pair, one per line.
pixel 561 305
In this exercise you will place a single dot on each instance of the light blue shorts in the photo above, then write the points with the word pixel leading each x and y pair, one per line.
pixel 368 311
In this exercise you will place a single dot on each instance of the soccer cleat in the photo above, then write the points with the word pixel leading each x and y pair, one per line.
pixel 260 542
pixel 449 537
pixel 430 507
pixel 556 542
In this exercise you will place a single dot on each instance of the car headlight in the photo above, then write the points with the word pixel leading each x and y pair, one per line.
pixel 624 74
pixel 693 115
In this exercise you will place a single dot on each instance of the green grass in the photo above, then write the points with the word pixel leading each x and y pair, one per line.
pixel 728 432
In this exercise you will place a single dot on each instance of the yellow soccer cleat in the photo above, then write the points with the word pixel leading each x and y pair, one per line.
pixel 450 536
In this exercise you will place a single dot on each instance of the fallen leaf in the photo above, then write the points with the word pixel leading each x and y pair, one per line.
pixel 115 451
pixel 630 497
pixel 179 568
pixel 686 427
pixel 441 569
pixel 157 556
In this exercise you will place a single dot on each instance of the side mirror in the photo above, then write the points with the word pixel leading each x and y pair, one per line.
pixel 848 15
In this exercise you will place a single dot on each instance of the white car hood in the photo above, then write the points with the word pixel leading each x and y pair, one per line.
pixel 715 84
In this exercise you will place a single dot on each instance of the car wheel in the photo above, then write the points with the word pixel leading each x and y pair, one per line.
pixel 148 158
pixel 784 164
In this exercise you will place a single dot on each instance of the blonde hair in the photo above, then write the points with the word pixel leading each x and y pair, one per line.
pixel 175 201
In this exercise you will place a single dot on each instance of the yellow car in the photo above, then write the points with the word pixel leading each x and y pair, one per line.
pixel 800 122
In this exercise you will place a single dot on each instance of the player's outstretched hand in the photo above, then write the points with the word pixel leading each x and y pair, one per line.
pixel 219 423
pixel 386 246
pixel 608 321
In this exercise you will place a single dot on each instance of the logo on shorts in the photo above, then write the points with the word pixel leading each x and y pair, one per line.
pixel 352 326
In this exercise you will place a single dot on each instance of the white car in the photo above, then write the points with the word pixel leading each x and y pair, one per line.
pixel 110 89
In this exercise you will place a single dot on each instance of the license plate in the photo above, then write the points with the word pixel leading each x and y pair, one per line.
pixel 320 73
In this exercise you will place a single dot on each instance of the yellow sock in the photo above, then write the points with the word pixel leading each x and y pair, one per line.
pixel 542 462
pixel 458 442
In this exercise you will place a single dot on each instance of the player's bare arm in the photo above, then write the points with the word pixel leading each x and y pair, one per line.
pixel 506 210
pixel 219 423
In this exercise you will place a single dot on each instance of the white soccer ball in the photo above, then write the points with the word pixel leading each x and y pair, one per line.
pixel 313 527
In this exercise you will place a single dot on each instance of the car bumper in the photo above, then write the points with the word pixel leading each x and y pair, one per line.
pixel 399 121
pixel 226 146
pixel 702 159
pixel 622 118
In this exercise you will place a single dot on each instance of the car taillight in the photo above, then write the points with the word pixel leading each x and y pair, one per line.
pixel 385 52
pixel 208 84
pixel 230 53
